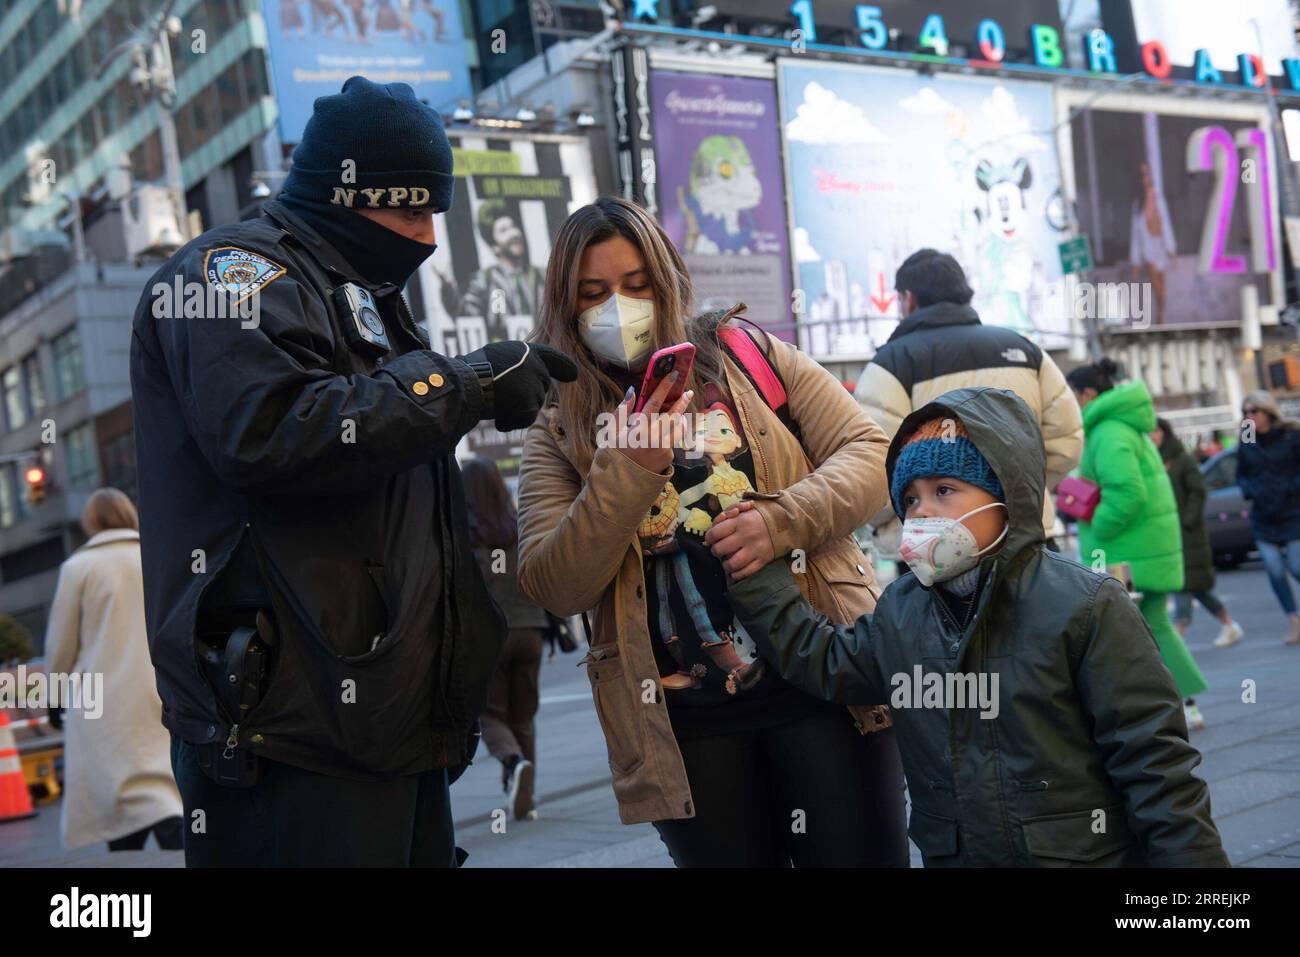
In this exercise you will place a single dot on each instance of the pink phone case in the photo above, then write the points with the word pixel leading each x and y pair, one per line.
pixel 678 358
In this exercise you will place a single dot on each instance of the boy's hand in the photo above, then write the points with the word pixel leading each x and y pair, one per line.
pixel 740 540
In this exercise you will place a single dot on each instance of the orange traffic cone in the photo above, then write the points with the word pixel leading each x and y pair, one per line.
pixel 15 799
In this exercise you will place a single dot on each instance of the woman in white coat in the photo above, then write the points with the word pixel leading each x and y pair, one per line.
pixel 117 762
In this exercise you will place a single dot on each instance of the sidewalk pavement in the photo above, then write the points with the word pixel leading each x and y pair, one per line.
pixel 1251 758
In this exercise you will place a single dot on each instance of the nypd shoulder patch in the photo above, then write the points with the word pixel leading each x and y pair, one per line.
pixel 239 271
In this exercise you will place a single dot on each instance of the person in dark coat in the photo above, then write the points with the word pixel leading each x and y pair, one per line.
pixel 1268 474
pixel 1198 559
pixel 322 636
pixel 1037 723
pixel 509 727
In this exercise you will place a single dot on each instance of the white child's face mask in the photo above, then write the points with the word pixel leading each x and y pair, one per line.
pixel 938 549
pixel 619 331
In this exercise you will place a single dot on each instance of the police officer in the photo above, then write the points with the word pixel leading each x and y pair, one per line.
pixel 322 636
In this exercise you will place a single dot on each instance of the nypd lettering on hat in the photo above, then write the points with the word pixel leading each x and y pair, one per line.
pixel 376 197
pixel 372 146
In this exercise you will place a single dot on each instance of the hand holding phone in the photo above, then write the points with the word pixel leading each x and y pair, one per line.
pixel 652 424
pixel 679 359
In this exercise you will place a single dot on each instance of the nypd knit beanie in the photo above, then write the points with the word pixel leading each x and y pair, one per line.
pixel 941 447
pixel 373 146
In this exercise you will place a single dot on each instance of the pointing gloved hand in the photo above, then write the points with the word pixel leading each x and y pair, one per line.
pixel 521 375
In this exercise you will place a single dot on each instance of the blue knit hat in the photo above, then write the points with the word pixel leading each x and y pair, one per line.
pixel 939 448
pixel 397 147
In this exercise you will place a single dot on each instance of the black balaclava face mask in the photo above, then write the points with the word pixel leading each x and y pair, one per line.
pixel 391 142
pixel 373 250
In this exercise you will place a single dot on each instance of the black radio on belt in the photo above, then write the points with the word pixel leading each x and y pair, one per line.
pixel 362 326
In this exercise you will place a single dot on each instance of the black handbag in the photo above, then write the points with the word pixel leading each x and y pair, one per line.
pixel 560 635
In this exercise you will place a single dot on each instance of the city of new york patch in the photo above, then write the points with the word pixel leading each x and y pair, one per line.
pixel 240 272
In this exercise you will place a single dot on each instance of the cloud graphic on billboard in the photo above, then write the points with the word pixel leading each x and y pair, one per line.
pixel 1004 124
pixel 823 117
pixel 927 103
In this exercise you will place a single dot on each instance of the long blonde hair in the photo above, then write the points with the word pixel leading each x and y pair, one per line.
pixel 108 508
pixel 595 391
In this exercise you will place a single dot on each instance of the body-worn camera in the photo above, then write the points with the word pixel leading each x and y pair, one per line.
pixel 362 326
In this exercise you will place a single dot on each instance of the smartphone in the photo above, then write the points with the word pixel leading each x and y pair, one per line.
pixel 679 359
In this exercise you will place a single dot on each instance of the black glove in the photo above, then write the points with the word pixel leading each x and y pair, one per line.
pixel 515 391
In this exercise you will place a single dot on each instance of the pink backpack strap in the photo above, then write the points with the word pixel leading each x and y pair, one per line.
pixel 756 365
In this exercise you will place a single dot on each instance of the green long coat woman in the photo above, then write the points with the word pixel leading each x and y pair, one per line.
pixel 1136 520
pixel 1189 492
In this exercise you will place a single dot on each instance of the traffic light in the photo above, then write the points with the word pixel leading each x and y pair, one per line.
pixel 35 476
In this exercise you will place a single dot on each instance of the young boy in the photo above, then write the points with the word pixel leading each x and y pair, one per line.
pixel 1037 724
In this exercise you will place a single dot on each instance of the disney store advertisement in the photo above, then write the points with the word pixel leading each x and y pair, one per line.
pixel 883 162
pixel 717 158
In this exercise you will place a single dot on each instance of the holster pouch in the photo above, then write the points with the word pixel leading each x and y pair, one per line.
pixel 237 665
pixel 235 767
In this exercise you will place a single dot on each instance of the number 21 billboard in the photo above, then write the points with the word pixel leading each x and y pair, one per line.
pixel 1183 204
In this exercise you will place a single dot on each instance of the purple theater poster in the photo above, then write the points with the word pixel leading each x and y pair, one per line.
pixel 721 193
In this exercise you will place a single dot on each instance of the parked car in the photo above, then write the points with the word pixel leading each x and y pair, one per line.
pixel 1227 514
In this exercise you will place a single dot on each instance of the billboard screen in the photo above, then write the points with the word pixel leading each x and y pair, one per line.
pixel 718 167
pixel 484 281
pixel 1190 25
pixel 314 46
pixel 882 163
pixel 1146 216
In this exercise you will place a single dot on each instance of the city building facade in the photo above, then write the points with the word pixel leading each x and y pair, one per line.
pixel 80 140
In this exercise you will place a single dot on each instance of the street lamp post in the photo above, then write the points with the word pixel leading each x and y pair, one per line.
pixel 73 218
pixel 150 49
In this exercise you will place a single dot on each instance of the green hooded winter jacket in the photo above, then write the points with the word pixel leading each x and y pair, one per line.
pixel 1136 520
pixel 1077 756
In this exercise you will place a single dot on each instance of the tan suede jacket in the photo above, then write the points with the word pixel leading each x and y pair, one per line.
pixel 578 552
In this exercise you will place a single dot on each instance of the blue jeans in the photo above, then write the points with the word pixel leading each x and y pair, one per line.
pixel 1183 605
pixel 1278 560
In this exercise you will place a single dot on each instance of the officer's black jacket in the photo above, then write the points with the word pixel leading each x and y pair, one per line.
pixel 339 468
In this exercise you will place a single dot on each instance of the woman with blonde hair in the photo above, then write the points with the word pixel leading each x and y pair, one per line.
pixel 733 765
pixel 117 765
